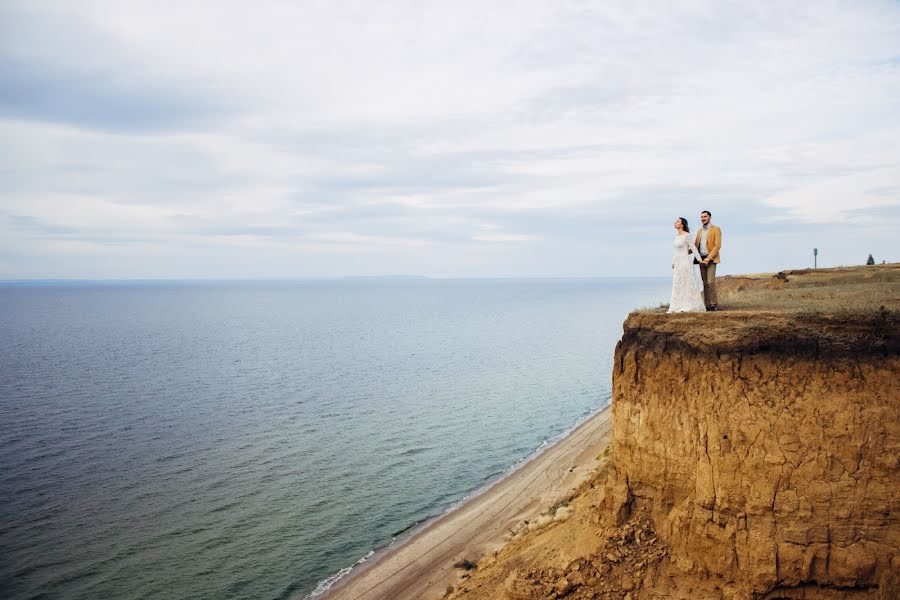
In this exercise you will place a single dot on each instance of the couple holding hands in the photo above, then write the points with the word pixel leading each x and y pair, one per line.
pixel 704 250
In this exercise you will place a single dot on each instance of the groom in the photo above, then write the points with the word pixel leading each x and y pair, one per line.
pixel 708 242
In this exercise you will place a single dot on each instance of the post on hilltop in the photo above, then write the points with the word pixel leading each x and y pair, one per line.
pixel 815 258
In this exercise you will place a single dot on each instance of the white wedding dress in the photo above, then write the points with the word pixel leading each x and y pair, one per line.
pixel 686 295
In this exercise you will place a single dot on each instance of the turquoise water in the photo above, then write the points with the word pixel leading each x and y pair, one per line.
pixel 251 439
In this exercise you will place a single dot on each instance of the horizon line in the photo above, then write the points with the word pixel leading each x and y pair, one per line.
pixel 396 278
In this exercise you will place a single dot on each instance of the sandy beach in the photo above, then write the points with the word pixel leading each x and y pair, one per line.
pixel 422 566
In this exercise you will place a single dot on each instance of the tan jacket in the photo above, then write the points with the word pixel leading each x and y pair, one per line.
pixel 713 242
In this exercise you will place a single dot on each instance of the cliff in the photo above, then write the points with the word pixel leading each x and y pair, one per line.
pixel 765 449
pixel 755 454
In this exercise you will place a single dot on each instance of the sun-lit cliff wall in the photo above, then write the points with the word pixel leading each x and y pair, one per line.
pixel 766 449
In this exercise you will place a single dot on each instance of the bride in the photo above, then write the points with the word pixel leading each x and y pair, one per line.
pixel 686 297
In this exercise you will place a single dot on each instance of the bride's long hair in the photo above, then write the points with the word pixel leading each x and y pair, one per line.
pixel 684 225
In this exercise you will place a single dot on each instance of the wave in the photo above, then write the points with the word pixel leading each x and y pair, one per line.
pixel 414 451
pixel 328 582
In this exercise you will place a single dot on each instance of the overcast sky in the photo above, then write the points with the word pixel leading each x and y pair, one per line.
pixel 447 139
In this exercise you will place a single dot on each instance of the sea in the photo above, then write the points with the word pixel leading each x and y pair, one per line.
pixel 257 439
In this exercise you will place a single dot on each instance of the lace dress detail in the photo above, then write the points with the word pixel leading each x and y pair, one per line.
pixel 686 296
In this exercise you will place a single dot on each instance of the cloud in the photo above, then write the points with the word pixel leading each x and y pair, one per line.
pixel 493 139
pixel 341 237
pixel 504 237
pixel 60 67
pixel 864 198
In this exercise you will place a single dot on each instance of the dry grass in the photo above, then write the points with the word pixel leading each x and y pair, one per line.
pixel 850 291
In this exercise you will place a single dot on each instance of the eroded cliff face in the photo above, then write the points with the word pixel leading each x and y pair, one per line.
pixel 765 450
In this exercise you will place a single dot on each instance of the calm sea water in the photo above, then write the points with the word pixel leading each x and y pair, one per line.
pixel 249 440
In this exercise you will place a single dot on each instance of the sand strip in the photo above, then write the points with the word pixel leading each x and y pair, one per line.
pixel 422 566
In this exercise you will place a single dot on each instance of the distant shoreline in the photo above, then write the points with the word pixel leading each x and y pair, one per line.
pixel 38 282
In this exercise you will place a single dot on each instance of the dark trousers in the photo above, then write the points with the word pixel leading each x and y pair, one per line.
pixel 708 274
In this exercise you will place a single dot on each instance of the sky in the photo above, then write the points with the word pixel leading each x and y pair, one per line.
pixel 220 139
